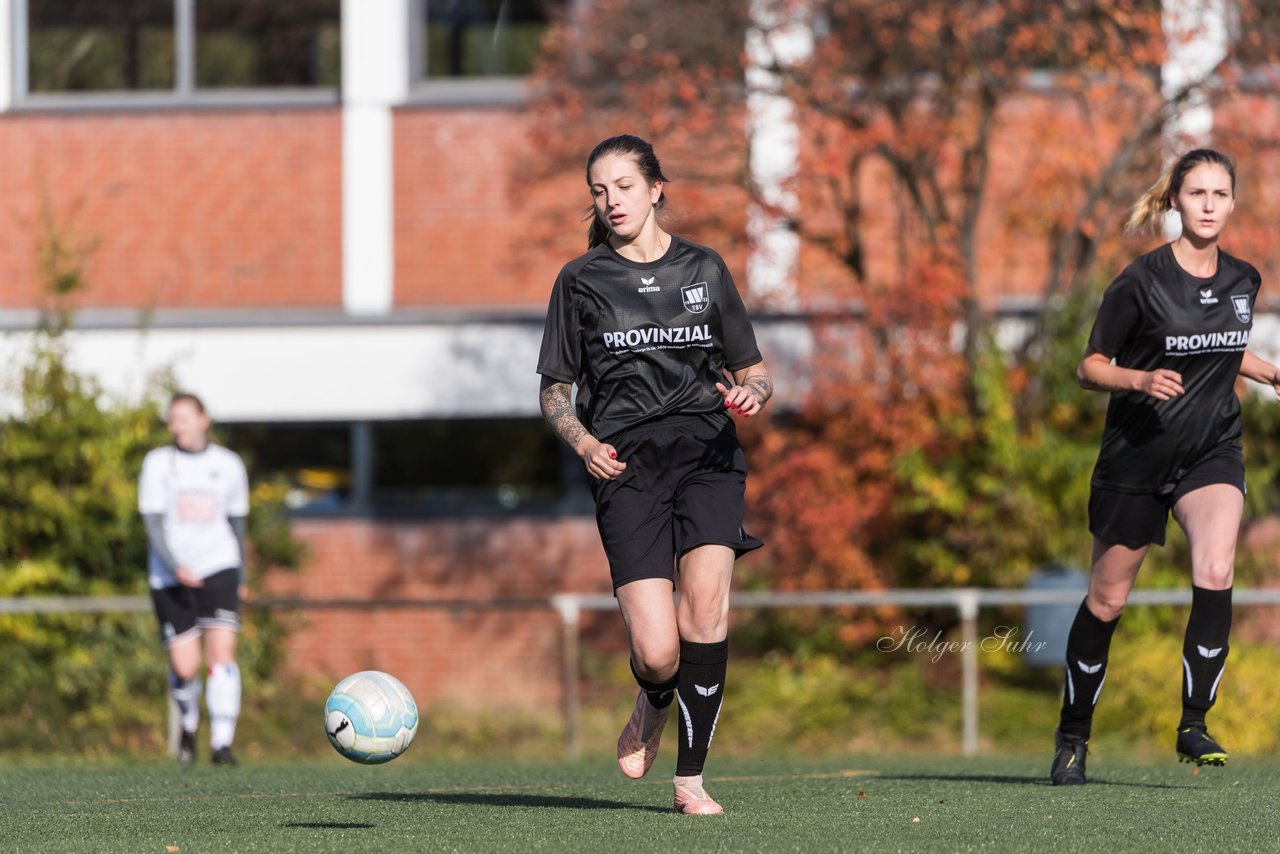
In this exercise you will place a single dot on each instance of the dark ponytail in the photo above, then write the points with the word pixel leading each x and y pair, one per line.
pixel 597 232
pixel 628 145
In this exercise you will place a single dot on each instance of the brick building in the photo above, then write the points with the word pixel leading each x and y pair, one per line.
pixel 300 216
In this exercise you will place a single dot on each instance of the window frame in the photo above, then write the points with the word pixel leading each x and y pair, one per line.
pixel 575 500
pixel 498 90
pixel 185 92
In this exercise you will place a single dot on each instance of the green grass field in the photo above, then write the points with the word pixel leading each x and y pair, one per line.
pixel 884 803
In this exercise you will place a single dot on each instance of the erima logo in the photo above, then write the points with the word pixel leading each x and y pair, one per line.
pixel 707 692
pixel 1176 345
pixel 657 335
pixel 1208 653
pixel 1240 302
pixel 695 297
pixel 649 286
pixel 1207 297
pixel 1089 668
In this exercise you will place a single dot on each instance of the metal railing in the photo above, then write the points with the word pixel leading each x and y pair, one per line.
pixel 966 601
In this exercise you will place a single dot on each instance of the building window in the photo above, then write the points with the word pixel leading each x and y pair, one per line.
pixel 466 464
pixel 313 461
pixel 248 44
pixel 484 38
pixel 89 45
pixel 506 466
pixel 176 48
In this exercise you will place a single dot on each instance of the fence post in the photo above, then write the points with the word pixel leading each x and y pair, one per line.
pixel 174 725
pixel 570 611
pixel 967 602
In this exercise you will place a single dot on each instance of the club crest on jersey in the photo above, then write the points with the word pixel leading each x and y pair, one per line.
pixel 1207 297
pixel 1240 302
pixel 695 297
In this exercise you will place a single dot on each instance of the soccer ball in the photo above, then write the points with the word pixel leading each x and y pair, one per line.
pixel 370 717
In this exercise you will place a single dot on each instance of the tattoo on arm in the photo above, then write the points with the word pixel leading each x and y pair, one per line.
pixel 557 408
pixel 761 386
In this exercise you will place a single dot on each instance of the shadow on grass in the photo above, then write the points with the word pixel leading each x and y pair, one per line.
pixel 503 799
pixel 330 825
pixel 1022 780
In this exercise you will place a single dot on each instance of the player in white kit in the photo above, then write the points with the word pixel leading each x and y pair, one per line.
pixel 194 500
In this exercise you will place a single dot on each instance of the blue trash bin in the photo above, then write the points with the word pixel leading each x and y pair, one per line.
pixel 1047 626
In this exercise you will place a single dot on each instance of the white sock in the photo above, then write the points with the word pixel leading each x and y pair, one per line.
pixel 187 696
pixel 223 700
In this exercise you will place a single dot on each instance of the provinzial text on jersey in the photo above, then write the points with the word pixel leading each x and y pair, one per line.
pixel 656 335
pixel 1185 345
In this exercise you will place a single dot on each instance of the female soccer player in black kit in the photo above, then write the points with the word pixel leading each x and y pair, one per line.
pixel 1168 343
pixel 651 329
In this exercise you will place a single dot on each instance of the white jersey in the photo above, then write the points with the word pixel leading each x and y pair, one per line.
pixel 196 493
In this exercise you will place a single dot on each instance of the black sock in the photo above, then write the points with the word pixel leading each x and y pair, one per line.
pixel 702 670
pixel 1087 646
pixel 1204 653
pixel 660 694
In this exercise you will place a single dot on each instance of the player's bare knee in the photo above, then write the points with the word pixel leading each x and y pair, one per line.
pixel 656 662
pixel 185 670
pixel 706 624
pixel 1215 574
pixel 1106 606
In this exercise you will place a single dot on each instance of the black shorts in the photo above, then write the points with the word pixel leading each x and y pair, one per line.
pixel 1139 519
pixel 185 612
pixel 683 488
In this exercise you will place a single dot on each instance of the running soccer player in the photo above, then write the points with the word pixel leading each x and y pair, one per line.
pixel 194 500
pixel 1168 343
pixel 652 330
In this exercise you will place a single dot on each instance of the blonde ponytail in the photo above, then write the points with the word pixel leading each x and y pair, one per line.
pixel 1148 212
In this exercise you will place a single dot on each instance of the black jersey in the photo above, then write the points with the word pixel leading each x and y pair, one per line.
pixel 645 340
pixel 1156 315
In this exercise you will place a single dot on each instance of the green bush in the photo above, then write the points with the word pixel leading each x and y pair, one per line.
pixel 68 470
pixel 69 526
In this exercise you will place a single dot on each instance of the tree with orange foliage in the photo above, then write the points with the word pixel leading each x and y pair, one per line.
pixel 953 153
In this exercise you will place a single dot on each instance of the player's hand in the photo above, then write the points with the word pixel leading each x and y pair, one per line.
pixel 187 578
pixel 1162 384
pixel 740 399
pixel 601 459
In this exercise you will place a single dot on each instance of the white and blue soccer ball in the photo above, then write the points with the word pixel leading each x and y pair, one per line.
pixel 370 717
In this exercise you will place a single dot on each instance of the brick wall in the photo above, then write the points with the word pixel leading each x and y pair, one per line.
pixel 188 209
pixel 504 656
pixel 241 207
pixel 463 210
